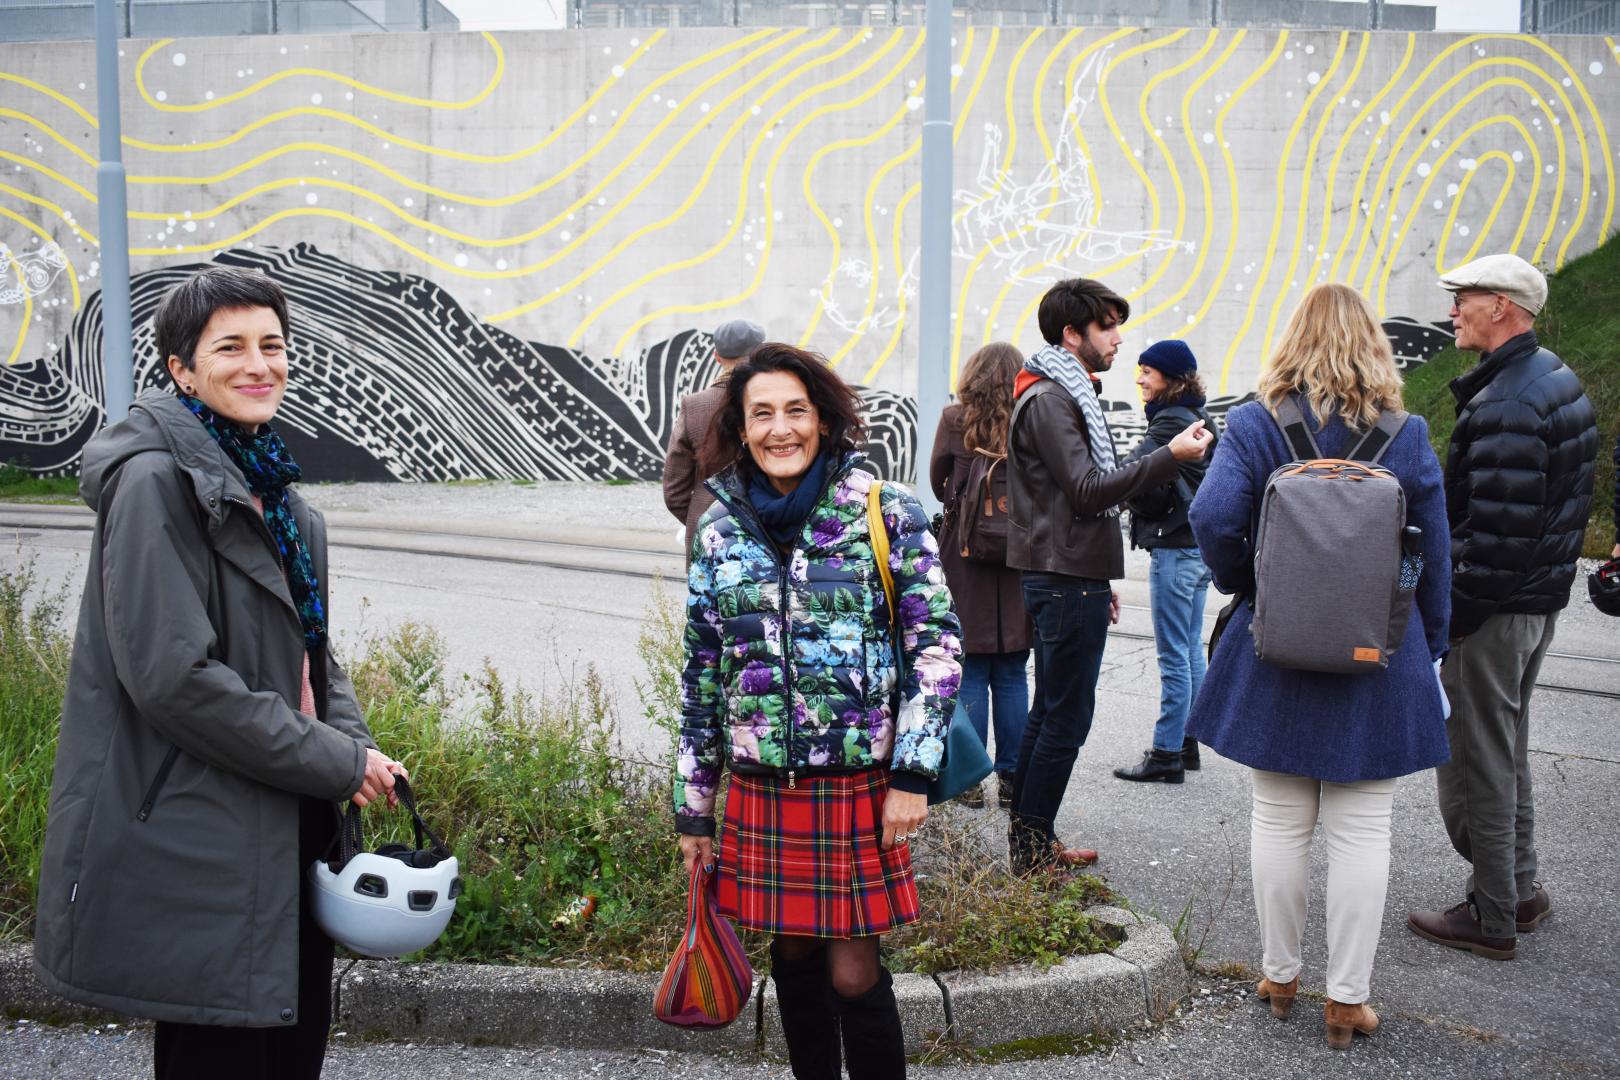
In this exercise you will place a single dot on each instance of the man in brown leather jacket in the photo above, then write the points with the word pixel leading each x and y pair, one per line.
pixel 1065 487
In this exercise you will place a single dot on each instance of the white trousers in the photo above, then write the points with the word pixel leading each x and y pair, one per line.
pixel 1355 833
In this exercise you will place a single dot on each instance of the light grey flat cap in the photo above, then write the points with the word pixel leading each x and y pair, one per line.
pixel 737 338
pixel 1506 274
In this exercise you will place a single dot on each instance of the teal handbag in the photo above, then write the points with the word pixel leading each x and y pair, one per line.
pixel 966 761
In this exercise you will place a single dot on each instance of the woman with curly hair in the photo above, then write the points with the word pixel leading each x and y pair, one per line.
pixel 830 724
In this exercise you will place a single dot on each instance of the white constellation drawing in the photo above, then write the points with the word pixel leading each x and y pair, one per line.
pixel 39 269
pixel 1028 232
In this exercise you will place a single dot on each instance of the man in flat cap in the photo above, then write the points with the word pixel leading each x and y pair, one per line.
pixel 684 493
pixel 1518 478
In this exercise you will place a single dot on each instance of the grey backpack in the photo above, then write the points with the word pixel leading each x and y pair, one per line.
pixel 1332 588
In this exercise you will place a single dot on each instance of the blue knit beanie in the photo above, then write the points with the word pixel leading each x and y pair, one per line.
pixel 1170 357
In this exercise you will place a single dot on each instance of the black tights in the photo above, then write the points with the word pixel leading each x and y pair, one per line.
pixel 852 964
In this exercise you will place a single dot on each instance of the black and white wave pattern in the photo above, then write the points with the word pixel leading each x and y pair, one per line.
pixel 394 379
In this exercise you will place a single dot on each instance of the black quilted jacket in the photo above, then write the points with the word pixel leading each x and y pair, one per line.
pixel 1518 484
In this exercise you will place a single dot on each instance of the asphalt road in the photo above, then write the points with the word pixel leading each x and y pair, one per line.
pixel 1169 849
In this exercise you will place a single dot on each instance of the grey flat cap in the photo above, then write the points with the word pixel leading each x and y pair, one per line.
pixel 737 338
pixel 1506 274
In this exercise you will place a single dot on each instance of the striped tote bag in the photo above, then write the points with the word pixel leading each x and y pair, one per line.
pixel 708 980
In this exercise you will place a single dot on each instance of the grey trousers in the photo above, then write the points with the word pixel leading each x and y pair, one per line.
pixel 1485 797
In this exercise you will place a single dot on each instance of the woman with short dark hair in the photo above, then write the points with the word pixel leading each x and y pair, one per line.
pixel 207 730
pixel 795 681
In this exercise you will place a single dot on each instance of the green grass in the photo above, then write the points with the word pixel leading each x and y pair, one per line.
pixel 542 805
pixel 20 485
pixel 1581 323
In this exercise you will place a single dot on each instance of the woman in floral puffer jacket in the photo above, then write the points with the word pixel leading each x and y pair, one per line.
pixel 791 680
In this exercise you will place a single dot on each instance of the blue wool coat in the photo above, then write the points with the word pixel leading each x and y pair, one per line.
pixel 1342 728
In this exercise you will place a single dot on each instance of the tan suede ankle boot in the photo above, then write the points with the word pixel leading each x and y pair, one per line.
pixel 1281 995
pixel 1343 1021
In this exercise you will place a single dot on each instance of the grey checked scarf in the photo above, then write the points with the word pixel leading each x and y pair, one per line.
pixel 1063 368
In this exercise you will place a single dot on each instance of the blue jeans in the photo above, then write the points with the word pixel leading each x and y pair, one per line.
pixel 1071 630
pixel 1002 675
pixel 1178 581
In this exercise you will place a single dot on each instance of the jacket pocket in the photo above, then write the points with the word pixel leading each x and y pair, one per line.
pixel 156 787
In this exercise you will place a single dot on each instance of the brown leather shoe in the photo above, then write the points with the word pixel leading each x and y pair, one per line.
pixel 1533 912
pixel 1281 995
pixel 1458 928
pixel 1072 856
pixel 1345 1022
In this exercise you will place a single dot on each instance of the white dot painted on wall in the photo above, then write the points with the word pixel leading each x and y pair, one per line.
pixel 760 245
pixel 914 103
pixel 618 70
pixel 1423 168
pixel 1209 137
pixel 754 109
pixel 161 95
pixel 1435 144
pixel 408 201
pixel 956 71
pixel 565 236
pixel 1518 155
pixel 315 99
pixel 500 264
pixel 208 96
pixel 1314 77
pixel 1596 67
pixel 777 216
pixel 1355 103
pixel 179 59
pixel 1463 230
pixel 607 50
pixel 312 198
pixel 1549 170
pixel 591 119
pixel 838 223
pixel 1438 205
pixel 1289 55
pixel 1568 81
pixel 1383 117
pixel 461 258
pixel 704 107
pixel 1452 189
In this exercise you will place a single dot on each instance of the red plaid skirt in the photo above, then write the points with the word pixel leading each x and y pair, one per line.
pixel 809 859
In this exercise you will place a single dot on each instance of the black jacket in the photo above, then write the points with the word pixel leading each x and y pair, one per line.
pixel 1519 474
pixel 1159 517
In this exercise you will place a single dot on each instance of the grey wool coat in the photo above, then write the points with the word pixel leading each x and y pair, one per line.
pixel 169 885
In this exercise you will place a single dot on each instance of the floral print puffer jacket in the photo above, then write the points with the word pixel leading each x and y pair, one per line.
pixel 790 665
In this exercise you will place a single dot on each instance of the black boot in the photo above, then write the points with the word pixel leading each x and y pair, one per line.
pixel 874 1044
pixel 1004 790
pixel 805 999
pixel 1161 765
pixel 1189 754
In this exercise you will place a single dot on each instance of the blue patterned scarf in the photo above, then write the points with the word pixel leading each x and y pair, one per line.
pixel 784 515
pixel 1063 368
pixel 268 468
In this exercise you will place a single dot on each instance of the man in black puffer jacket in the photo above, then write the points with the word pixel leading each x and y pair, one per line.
pixel 1519 475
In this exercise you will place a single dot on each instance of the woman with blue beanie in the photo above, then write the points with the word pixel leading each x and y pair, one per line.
pixel 1173 397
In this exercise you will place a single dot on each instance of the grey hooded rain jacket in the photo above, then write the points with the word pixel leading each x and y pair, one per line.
pixel 169 886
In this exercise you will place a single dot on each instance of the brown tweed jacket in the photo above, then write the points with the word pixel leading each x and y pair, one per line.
pixel 684 493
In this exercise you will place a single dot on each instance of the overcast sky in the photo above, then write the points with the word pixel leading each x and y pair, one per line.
pixel 540 14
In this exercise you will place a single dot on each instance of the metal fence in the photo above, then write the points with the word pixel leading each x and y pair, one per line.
pixel 36 20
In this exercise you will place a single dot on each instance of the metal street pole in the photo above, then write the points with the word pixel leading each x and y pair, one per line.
pixel 117 338
pixel 934 305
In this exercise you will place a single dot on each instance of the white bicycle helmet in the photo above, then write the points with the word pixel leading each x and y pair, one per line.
pixel 390 902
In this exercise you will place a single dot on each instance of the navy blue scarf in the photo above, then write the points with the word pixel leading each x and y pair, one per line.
pixel 784 515
pixel 1186 401
pixel 268 468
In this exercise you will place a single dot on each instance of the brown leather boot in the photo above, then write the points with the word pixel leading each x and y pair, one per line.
pixel 1459 928
pixel 1281 995
pixel 1344 1021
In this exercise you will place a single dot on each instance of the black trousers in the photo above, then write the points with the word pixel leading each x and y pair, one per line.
pixel 293 1052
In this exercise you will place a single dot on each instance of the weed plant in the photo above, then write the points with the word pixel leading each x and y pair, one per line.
pixel 542 807
pixel 20 485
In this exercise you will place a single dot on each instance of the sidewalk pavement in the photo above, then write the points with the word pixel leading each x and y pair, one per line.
pixel 1180 851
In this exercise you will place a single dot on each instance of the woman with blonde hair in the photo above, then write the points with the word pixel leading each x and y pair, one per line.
pixel 996 629
pixel 1323 746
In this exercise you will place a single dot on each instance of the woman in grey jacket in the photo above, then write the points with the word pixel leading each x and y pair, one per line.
pixel 207 731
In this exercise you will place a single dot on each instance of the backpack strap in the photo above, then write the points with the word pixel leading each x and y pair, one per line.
pixel 1379 436
pixel 1291 419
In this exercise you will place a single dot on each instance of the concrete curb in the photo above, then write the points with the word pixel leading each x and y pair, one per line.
pixel 1141 978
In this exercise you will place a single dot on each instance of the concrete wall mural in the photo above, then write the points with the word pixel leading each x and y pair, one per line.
pixel 506 250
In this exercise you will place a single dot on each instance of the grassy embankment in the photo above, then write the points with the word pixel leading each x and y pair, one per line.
pixel 542 805
pixel 1581 323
